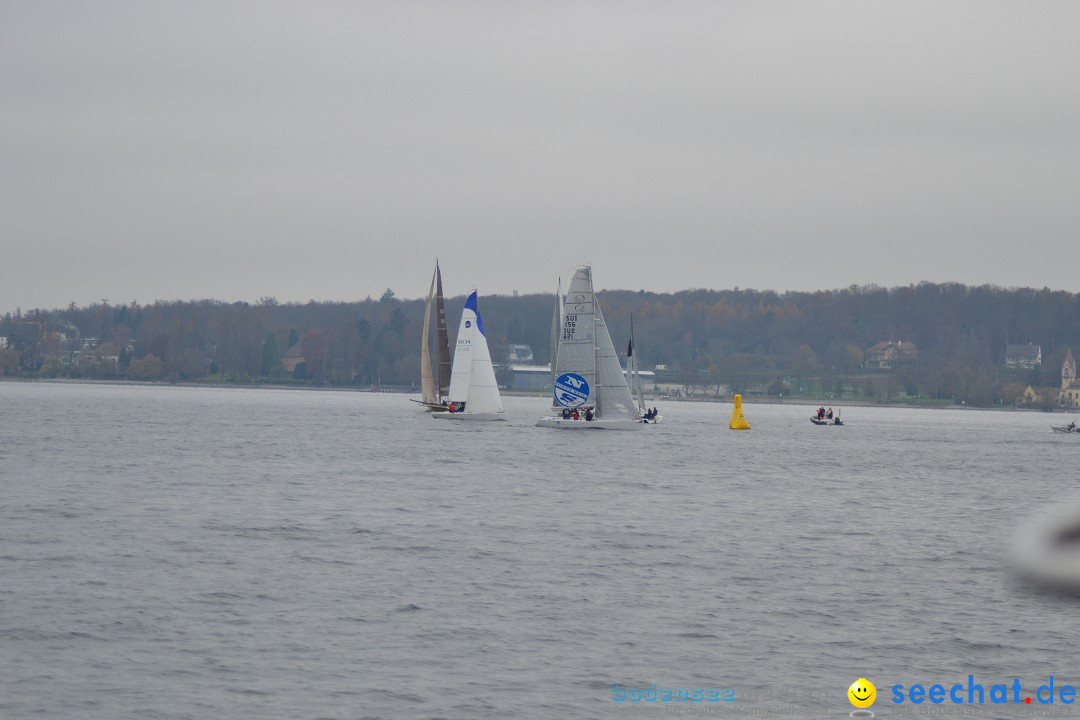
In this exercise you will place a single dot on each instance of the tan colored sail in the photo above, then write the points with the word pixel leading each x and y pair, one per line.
pixel 427 382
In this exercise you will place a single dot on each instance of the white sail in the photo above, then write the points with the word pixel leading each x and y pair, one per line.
pixel 472 380
pixel 613 398
pixel 575 365
pixel 427 382
pixel 462 368
pixel 483 388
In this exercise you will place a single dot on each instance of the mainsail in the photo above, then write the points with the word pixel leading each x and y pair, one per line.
pixel 432 395
pixel 440 335
pixel 577 343
pixel 427 382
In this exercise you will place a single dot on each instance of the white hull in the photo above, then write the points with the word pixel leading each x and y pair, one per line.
pixel 469 416
pixel 583 424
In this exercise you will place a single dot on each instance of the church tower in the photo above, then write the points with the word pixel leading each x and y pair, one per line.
pixel 1070 389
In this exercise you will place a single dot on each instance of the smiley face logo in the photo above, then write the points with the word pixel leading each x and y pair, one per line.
pixel 862 693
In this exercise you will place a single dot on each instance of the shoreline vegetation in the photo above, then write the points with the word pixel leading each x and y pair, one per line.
pixel 925 345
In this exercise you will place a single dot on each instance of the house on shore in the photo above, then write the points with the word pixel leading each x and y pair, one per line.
pixel 886 355
pixel 1023 357
pixel 291 358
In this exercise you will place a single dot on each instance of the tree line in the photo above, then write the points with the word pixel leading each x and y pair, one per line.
pixel 741 338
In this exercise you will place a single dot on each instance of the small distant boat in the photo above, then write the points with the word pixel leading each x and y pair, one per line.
pixel 826 421
pixel 473 388
pixel 434 398
pixel 1070 428
pixel 644 414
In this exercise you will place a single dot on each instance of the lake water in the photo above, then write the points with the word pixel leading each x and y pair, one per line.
pixel 172 552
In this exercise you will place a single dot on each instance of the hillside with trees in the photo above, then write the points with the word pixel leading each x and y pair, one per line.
pixel 809 343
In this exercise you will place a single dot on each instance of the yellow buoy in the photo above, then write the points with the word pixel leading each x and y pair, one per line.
pixel 738 422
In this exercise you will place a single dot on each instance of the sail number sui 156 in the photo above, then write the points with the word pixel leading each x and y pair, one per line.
pixel 569 327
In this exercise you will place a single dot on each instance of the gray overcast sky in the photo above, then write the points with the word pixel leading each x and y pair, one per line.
pixel 324 150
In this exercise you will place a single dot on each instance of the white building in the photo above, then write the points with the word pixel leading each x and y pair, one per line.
pixel 1027 356
pixel 521 354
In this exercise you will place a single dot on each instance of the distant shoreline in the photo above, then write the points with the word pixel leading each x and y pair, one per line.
pixel 748 400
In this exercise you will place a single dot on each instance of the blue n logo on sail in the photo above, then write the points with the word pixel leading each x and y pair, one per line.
pixel 571 390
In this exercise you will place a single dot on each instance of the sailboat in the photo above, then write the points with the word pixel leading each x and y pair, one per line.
pixel 431 397
pixel 474 393
pixel 587 375
pixel 635 380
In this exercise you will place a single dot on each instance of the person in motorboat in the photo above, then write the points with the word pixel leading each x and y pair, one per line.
pixel 1071 427
pixel 829 414
pixel 452 408
pixel 821 413
pixel 576 415
pixel 566 413
pixel 588 414
pixel 837 421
